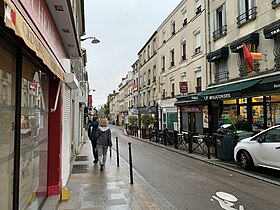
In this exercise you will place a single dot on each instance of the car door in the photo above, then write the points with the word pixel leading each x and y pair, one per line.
pixel 267 152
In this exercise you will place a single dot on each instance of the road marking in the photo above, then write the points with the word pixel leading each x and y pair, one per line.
pixel 226 201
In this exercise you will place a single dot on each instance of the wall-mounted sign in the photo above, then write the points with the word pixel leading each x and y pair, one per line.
pixel 183 87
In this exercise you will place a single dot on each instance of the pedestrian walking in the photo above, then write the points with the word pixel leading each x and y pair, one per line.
pixel 92 128
pixel 103 142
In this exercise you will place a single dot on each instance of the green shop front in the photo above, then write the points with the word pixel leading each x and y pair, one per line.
pixel 257 100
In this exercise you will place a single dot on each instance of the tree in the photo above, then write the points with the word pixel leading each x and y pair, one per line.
pixel 147 120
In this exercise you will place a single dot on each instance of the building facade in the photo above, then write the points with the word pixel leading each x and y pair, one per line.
pixel 35 60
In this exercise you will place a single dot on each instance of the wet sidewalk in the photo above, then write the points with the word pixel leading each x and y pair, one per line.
pixel 93 189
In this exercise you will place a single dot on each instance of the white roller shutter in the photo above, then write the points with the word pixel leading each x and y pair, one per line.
pixel 66 135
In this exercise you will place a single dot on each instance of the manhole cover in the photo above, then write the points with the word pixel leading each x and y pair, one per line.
pixel 79 169
pixel 81 158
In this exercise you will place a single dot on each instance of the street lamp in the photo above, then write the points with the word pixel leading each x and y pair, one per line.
pixel 94 39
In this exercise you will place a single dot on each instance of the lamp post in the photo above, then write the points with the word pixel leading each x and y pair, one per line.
pixel 94 39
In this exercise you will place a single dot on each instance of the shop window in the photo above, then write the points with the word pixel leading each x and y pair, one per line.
pixel 257 99
pixel 275 98
pixel 7 125
pixel 231 101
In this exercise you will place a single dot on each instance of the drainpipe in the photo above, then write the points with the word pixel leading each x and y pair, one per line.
pixel 209 44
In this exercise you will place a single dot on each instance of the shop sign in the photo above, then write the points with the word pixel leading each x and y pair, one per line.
pixel 39 13
pixel 191 109
pixel 90 101
pixel 219 96
pixel 183 87
pixel 256 56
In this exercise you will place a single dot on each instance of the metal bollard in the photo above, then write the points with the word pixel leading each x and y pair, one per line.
pixel 117 148
pixel 130 163
pixel 190 137
pixel 208 145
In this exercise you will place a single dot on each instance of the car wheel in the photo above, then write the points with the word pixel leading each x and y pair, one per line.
pixel 246 160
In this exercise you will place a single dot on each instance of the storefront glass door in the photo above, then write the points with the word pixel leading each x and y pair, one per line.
pixel 34 136
pixel 7 122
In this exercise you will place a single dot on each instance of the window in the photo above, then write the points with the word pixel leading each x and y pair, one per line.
pixel 184 16
pixel 221 70
pixel 220 27
pixel 144 55
pixel 149 76
pixel 154 73
pixel 198 79
pixel 197 42
pixel 164 36
pixel 149 51
pixel 247 12
pixel 172 89
pixel 244 68
pixel 173 27
pixel 198 7
pixel 172 57
pixel 184 50
pixel 154 47
pixel 163 63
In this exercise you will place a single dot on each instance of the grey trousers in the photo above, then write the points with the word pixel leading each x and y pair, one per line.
pixel 102 153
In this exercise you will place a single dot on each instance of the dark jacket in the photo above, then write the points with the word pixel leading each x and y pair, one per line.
pixel 104 136
pixel 92 128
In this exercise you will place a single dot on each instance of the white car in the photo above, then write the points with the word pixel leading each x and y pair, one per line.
pixel 262 149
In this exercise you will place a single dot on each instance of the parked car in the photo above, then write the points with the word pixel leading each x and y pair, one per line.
pixel 262 149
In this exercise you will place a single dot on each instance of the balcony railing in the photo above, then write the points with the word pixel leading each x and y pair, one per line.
pixel 247 16
pixel 222 31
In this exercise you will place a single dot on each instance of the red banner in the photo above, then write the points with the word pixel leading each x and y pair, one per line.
pixel 89 101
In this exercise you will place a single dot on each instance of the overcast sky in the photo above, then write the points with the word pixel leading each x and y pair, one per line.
pixel 123 27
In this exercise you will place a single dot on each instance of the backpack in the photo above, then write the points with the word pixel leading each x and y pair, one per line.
pixel 93 133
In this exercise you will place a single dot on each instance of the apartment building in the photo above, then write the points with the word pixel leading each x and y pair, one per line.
pixel 240 84
pixel 181 52
pixel 148 71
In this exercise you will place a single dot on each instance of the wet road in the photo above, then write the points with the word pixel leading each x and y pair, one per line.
pixel 192 184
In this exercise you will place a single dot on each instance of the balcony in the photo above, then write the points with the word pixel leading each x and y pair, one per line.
pixel 247 16
pixel 220 32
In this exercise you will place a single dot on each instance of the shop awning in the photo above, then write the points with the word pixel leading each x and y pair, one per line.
pixel 193 99
pixel 252 38
pixel 220 53
pixel 272 29
pixel 228 91
pixel 270 84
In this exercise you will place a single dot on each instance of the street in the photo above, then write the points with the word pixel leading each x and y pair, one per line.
pixel 192 184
